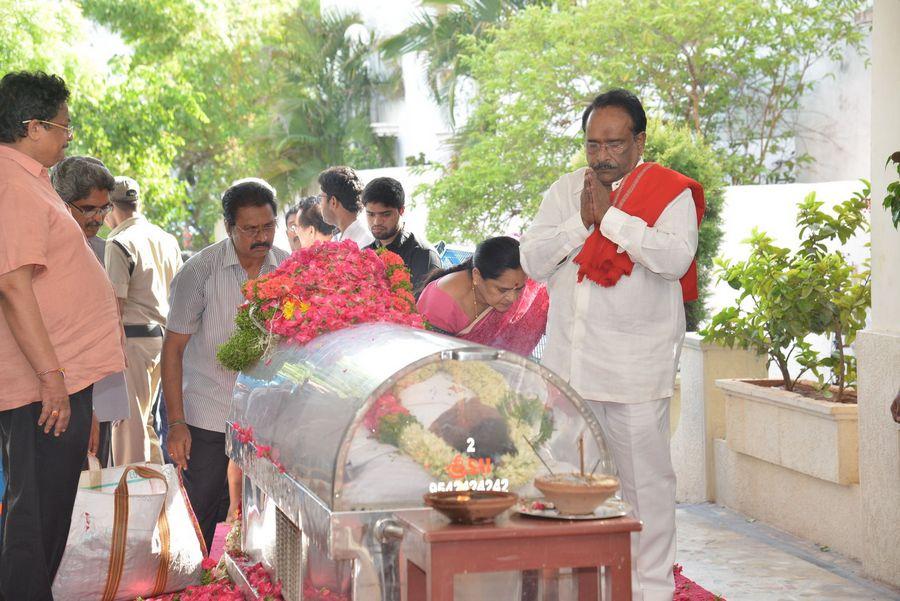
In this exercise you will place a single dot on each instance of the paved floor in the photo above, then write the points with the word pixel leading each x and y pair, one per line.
pixel 744 560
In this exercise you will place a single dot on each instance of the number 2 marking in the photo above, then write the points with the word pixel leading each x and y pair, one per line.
pixel 471 442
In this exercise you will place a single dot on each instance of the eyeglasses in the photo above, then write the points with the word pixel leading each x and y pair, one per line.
pixel 252 231
pixel 617 147
pixel 93 211
pixel 70 130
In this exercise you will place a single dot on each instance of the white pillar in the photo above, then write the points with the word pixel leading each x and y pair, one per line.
pixel 878 348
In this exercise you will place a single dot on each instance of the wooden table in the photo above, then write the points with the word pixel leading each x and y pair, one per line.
pixel 433 550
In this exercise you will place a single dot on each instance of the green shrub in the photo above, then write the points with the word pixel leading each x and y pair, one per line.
pixel 785 296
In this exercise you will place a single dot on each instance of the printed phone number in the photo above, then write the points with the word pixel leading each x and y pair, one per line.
pixel 488 484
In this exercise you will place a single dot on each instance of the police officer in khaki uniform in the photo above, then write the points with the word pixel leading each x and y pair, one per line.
pixel 141 260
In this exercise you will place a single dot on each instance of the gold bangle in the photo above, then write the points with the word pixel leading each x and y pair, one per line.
pixel 61 371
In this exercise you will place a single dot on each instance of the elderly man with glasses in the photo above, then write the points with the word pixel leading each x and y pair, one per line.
pixel 141 260
pixel 205 298
pixel 84 184
pixel 59 334
pixel 615 241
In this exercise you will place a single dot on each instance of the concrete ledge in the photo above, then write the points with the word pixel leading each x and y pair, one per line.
pixel 816 438
pixel 814 509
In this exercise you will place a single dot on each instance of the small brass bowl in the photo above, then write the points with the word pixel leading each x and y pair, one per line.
pixel 473 507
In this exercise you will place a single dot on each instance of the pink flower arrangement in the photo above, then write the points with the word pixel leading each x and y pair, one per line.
pixel 320 289
pixel 330 286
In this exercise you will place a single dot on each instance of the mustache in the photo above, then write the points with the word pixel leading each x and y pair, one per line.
pixel 603 165
pixel 260 245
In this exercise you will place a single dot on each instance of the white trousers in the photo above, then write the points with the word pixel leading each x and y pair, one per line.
pixel 637 435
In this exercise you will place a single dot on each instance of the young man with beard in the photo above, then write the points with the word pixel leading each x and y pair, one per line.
pixel 615 242
pixel 59 334
pixel 384 204
pixel 205 297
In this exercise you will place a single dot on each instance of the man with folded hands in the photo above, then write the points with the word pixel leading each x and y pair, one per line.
pixel 615 242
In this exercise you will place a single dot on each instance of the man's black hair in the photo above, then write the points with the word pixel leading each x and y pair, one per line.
pixel 26 95
pixel 250 192
pixel 386 191
pixel 622 99
pixel 342 183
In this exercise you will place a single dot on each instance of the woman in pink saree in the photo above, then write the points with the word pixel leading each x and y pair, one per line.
pixel 488 299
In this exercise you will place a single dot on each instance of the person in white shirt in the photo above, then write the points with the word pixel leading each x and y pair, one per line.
pixel 341 203
pixel 615 243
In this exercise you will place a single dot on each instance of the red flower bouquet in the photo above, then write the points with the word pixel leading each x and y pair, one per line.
pixel 318 290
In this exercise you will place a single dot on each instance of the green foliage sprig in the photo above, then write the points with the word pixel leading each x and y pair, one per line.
pixel 892 200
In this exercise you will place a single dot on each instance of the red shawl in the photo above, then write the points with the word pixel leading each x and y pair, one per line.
pixel 645 193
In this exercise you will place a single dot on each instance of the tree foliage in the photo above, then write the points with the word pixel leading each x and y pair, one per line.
pixel 732 71
pixel 327 79
pixel 437 33
pixel 181 106
pixel 188 106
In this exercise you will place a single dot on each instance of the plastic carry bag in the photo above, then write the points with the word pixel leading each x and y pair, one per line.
pixel 133 534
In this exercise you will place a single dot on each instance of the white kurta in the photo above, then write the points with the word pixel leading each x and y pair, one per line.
pixel 619 343
pixel 618 347
pixel 358 231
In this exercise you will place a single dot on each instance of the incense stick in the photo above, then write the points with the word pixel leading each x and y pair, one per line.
pixel 533 448
pixel 596 465
pixel 581 454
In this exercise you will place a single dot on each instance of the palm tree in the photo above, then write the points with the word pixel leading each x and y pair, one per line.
pixel 322 112
pixel 439 34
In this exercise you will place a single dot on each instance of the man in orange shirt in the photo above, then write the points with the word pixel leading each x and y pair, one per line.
pixel 59 333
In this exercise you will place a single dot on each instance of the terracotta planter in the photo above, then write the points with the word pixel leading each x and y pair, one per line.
pixel 815 437
pixel 573 496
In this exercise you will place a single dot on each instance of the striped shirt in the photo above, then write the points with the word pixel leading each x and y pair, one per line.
pixel 203 302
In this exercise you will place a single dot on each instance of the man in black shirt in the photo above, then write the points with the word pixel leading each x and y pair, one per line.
pixel 384 202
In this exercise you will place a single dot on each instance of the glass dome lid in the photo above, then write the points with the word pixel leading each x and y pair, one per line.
pixel 375 416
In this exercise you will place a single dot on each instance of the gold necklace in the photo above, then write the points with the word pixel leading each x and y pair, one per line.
pixel 475 298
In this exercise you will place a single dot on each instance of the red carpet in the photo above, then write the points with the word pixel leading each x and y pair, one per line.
pixel 688 590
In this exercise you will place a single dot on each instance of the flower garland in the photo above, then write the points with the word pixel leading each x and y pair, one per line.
pixel 391 423
pixel 263 451
pixel 320 289
pixel 217 586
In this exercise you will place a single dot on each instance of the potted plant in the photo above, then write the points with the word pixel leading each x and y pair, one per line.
pixel 784 297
